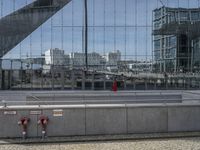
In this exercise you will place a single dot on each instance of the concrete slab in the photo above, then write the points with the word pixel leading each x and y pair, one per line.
pixel 10 128
pixel 71 123
pixel 183 118
pixel 105 121
pixel 147 120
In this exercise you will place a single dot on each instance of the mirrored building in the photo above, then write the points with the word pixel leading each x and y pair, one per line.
pixel 176 39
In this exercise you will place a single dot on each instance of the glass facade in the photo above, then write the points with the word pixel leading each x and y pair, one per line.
pixel 178 45
pixel 55 44
pixel 195 55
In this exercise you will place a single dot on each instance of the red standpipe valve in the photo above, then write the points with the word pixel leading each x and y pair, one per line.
pixel 24 121
pixel 43 121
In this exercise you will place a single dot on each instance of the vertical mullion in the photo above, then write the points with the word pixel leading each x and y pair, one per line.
pixel 62 29
pixel 198 3
pixel 1 8
pixel 93 26
pixel 125 28
pixel 72 27
pixel 146 52
pixel 114 24
pixel 41 48
pixel 52 67
pixel 104 28
pixel 136 31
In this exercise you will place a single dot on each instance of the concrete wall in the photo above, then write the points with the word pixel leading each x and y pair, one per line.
pixel 102 98
pixel 147 120
pixel 9 127
pixel 72 122
pixel 184 119
pixel 103 119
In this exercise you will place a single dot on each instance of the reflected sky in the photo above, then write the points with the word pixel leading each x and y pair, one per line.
pixel 124 25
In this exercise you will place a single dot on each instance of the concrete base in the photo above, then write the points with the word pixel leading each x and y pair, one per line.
pixel 107 119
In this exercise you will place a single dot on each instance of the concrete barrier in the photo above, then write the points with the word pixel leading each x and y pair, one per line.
pixel 9 127
pixel 183 118
pixel 147 119
pixel 45 99
pixel 106 119
pixel 71 123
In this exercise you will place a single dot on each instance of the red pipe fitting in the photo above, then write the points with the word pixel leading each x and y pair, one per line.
pixel 43 121
pixel 24 123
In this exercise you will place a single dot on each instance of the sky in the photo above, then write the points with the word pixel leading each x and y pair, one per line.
pixel 124 25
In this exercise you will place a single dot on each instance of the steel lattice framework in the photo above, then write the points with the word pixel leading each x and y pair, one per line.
pixel 16 26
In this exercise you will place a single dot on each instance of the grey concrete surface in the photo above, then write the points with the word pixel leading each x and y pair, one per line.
pixel 103 119
pixel 72 123
pixel 103 98
pixel 91 97
pixel 21 95
pixel 147 120
pixel 183 119
pixel 9 127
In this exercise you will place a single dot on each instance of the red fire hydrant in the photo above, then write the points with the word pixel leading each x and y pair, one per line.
pixel 114 86
pixel 24 123
pixel 43 121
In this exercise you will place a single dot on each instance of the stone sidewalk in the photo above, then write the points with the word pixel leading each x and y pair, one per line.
pixel 103 138
pixel 150 144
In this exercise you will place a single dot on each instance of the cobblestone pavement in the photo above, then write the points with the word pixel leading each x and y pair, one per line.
pixel 163 144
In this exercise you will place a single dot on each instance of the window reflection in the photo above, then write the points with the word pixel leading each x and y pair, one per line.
pixel 131 37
